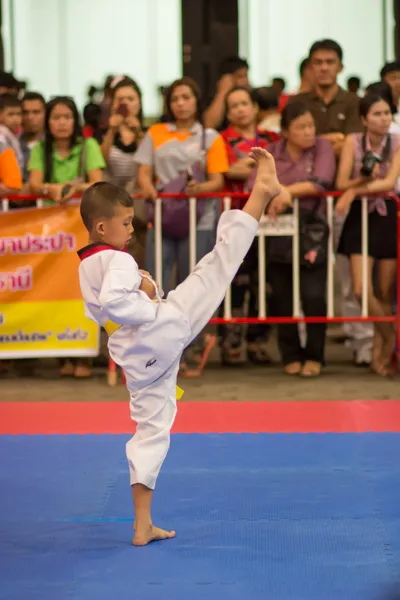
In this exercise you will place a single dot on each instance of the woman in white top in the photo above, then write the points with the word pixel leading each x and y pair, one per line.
pixel 125 131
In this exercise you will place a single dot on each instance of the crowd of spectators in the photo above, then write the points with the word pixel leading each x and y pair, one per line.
pixel 322 138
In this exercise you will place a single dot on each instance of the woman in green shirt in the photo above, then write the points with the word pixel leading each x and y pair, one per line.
pixel 60 166
pixel 64 164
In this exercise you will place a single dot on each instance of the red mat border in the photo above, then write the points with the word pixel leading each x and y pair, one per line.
pixel 204 417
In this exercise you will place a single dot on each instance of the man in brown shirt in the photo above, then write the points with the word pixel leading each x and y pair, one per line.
pixel 336 114
pixel 335 111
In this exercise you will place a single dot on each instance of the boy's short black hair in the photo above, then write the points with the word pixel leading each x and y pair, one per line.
pixel 9 101
pixel 100 200
pixel 327 44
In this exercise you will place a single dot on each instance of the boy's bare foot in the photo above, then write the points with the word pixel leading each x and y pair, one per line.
pixel 151 534
pixel 266 172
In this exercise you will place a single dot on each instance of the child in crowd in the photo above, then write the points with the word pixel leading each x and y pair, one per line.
pixel 147 336
pixel 10 124
pixel 11 158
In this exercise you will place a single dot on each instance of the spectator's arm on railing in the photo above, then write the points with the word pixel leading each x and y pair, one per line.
pixel 215 183
pixel 385 184
pixel 343 179
pixel 36 183
pixel 145 182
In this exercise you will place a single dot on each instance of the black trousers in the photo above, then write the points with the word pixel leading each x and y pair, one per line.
pixel 245 281
pixel 313 302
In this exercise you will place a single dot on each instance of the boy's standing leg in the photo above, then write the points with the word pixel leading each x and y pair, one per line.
pixel 147 449
pixel 198 297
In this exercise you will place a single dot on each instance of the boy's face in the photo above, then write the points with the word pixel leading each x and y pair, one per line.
pixel 11 117
pixel 118 230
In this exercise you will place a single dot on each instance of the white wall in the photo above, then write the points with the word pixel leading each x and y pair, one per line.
pixel 63 46
pixel 276 35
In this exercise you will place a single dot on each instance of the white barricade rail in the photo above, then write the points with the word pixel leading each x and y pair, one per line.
pixel 284 225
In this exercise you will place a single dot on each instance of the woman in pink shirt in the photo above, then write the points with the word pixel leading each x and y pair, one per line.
pixel 361 174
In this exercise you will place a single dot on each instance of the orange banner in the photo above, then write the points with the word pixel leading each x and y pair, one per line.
pixel 41 308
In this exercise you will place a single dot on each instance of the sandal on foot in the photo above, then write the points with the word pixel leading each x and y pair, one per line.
pixel 67 370
pixel 311 368
pixel 82 372
pixel 293 368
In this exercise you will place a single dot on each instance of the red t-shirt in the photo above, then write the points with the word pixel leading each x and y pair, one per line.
pixel 238 147
pixel 87 131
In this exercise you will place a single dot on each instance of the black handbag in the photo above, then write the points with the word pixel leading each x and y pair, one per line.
pixel 313 241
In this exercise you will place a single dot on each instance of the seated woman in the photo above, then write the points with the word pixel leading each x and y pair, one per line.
pixel 60 166
pixel 358 176
pixel 305 165
pixel 181 156
pixel 241 135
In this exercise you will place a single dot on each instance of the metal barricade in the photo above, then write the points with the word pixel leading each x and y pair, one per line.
pixel 284 225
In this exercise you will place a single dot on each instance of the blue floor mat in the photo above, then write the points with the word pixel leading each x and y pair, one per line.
pixel 264 517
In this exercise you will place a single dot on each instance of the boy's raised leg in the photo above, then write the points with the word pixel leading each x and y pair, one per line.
pixel 204 289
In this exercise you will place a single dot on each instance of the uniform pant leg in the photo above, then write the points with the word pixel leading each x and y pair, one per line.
pixel 202 292
pixel 154 410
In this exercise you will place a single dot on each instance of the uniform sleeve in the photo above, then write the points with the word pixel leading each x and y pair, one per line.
pixel 10 173
pixel 145 152
pixel 217 158
pixel 120 296
pixel 93 156
pixel 36 159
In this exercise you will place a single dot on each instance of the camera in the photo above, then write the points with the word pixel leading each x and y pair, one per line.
pixel 369 160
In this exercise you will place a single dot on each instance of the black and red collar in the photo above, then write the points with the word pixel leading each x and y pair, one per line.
pixel 94 248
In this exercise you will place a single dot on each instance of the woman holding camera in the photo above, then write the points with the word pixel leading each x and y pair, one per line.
pixel 370 164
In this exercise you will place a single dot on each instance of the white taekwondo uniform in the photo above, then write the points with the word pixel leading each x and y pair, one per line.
pixel 149 344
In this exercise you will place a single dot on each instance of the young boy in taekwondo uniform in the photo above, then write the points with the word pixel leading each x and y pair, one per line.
pixel 146 335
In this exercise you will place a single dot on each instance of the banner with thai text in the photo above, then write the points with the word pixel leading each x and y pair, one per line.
pixel 41 307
